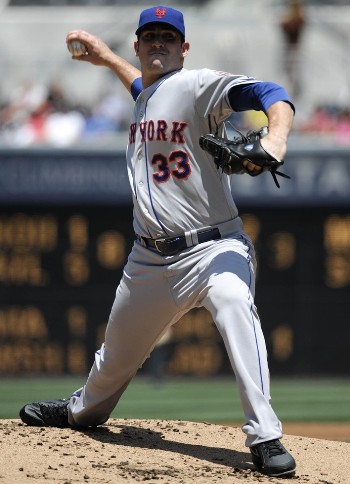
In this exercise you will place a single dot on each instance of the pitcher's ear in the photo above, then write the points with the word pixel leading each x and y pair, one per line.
pixel 185 48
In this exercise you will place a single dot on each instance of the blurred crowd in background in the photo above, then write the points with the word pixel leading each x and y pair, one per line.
pixel 40 115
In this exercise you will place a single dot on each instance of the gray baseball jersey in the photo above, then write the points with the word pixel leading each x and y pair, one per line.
pixel 175 184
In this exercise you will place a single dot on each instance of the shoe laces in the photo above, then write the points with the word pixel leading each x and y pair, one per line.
pixel 274 448
pixel 56 411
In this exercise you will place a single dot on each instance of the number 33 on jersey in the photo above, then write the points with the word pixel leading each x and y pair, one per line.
pixel 167 168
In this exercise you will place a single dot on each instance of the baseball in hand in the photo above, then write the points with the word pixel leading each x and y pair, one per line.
pixel 77 48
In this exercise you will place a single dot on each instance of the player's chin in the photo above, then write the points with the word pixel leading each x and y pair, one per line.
pixel 157 64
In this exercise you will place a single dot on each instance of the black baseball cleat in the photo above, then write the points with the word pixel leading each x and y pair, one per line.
pixel 272 459
pixel 52 413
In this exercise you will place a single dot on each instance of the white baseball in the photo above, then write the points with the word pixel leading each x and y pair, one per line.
pixel 76 48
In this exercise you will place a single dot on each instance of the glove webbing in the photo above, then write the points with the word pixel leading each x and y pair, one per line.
pixel 253 135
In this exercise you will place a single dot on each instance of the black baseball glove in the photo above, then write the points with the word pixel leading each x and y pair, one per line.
pixel 233 156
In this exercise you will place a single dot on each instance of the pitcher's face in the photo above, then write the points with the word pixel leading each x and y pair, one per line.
pixel 160 50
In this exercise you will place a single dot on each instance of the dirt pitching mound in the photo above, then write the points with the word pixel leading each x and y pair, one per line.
pixel 168 452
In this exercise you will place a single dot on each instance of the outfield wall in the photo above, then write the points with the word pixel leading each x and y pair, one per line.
pixel 66 230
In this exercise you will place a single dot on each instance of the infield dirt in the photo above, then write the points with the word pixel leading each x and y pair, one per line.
pixel 168 452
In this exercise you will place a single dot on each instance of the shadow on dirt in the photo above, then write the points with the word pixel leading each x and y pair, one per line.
pixel 131 436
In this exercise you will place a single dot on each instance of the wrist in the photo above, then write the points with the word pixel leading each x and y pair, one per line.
pixel 276 146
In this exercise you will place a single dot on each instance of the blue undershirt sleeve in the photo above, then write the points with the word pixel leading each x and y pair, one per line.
pixel 257 96
pixel 136 87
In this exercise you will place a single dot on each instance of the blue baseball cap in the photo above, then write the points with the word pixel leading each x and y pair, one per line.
pixel 164 15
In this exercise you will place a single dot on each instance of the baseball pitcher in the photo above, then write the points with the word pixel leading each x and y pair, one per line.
pixel 190 248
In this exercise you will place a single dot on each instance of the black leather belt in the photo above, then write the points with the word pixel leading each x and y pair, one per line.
pixel 173 245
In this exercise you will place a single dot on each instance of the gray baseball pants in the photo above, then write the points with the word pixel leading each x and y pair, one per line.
pixel 154 293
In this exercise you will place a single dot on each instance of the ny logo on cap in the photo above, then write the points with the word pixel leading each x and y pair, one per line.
pixel 160 12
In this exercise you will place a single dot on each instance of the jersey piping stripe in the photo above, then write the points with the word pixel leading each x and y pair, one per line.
pixel 255 336
pixel 146 161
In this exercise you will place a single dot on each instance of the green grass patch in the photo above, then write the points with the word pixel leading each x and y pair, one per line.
pixel 212 400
